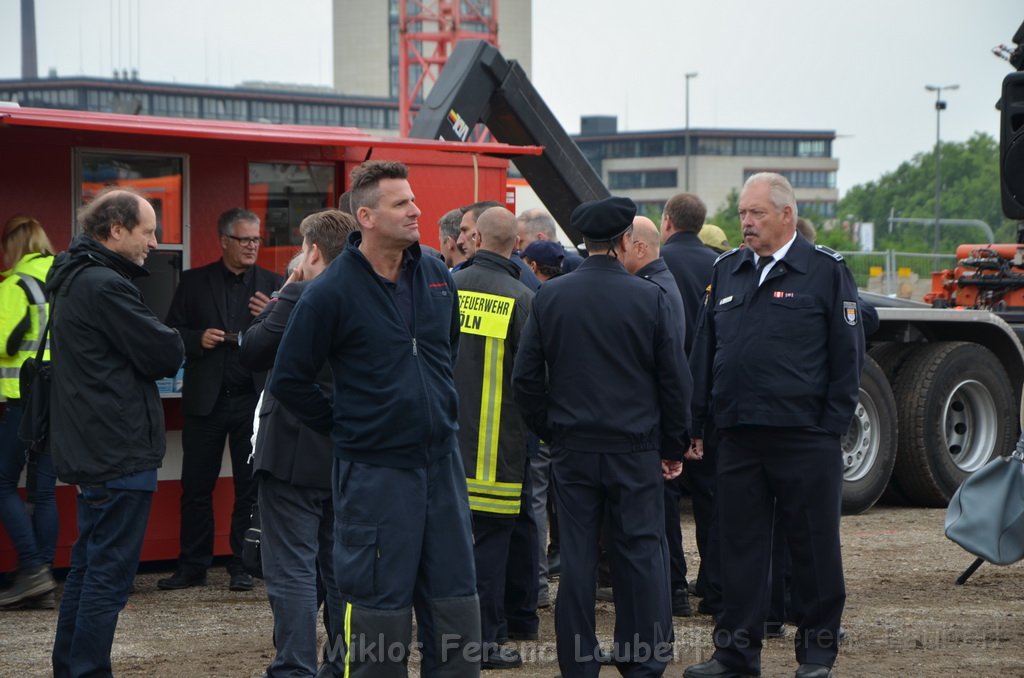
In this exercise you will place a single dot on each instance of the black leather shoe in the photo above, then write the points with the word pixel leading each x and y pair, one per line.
pixel 712 669
pixel 181 580
pixel 240 581
pixel 681 604
pixel 704 608
pixel 813 671
pixel 523 635
pixel 499 657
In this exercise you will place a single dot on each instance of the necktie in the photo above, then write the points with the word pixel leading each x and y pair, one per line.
pixel 759 269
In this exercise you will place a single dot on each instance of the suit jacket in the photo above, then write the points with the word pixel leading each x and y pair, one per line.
pixel 285 447
pixel 199 304
pixel 691 263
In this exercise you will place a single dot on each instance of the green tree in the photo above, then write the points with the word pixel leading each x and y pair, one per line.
pixel 727 218
pixel 970 190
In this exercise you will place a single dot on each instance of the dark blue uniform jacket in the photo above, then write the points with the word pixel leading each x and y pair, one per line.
pixel 691 263
pixel 786 354
pixel 394 395
pixel 601 366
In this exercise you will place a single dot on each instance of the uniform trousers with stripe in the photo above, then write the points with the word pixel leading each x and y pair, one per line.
pixel 403 541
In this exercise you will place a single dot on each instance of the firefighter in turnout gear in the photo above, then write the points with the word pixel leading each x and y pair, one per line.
pixel 493 306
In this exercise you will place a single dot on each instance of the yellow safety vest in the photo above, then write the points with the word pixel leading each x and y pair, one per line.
pixel 21 296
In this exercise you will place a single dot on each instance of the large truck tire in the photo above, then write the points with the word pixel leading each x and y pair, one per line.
pixel 956 412
pixel 890 356
pixel 869 446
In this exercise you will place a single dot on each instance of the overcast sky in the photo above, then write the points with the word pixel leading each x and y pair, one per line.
pixel 856 67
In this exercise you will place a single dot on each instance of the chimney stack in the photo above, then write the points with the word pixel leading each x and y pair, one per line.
pixel 29 67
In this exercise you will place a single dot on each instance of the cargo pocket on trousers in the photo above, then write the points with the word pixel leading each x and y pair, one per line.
pixel 356 559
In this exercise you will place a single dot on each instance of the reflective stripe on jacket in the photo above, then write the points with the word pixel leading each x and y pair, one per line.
pixel 23 314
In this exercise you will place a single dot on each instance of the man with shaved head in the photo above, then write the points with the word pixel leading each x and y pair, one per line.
pixel 493 307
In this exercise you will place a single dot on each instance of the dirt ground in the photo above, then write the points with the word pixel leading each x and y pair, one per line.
pixel 904 617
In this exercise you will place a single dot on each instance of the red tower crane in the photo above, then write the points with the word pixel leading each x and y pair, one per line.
pixel 428 31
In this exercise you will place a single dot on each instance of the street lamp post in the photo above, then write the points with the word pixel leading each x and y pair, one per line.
pixel 686 149
pixel 940 106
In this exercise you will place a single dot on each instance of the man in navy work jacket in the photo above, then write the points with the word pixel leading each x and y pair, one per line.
pixel 777 362
pixel 386 318
pixel 601 376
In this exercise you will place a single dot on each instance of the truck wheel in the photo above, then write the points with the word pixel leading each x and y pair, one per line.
pixel 890 356
pixel 869 446
pixel 956 412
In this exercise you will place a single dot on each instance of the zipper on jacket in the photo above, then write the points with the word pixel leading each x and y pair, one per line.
pixel 414 351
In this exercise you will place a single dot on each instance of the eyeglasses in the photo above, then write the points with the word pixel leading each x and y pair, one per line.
pixel 251 241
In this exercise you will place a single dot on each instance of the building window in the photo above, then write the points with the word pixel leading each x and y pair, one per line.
pixel 282 194
pixel 801 178
pixel 823 208
pixel 714 146
pixel 160 179
pixel 643 179
pixel 817 148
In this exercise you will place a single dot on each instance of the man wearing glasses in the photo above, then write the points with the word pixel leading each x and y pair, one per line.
pixel 212 306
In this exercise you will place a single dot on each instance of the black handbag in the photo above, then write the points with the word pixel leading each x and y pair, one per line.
pixel 34 383
pixel 252 558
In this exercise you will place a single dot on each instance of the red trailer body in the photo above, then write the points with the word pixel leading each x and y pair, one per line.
pixel 45 171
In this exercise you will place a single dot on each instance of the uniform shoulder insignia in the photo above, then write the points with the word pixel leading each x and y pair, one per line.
pixel 829 251
pixel 723 255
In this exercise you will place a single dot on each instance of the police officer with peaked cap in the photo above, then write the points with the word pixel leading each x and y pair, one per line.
pixel 776 362
pixel 601 376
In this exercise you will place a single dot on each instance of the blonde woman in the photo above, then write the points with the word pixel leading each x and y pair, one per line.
pixel 27 257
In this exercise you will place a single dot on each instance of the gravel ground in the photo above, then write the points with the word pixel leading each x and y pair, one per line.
pixel 904 617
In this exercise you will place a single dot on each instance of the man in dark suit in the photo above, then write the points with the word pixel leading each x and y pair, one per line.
pixel 292 467
pixel 211 307
pixel 691 263
pixel 608 387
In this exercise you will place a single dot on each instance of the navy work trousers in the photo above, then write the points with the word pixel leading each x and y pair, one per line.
pixel 403 540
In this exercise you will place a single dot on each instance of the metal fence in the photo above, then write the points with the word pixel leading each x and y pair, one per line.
pixel 907 275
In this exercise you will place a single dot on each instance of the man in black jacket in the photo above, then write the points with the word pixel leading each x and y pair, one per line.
pixel 643 259
pixel 106 419
pixel 292 467
pixel 601 376
pixel 776 365
pixel 211 306
pixel 386 319
pixel 691 263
